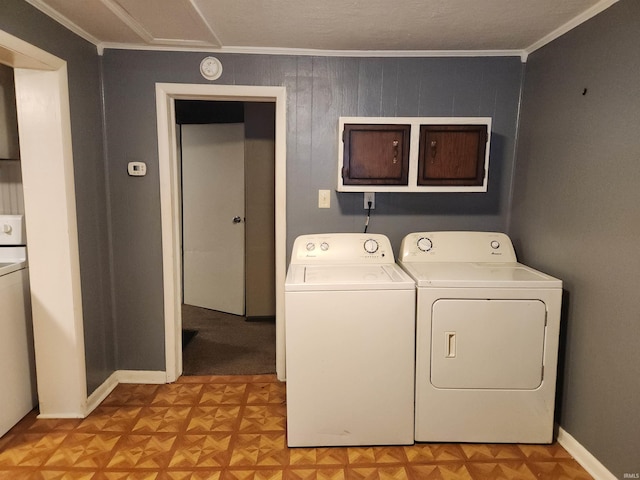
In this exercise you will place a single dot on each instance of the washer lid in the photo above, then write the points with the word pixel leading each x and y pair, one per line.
pixel 347 277
pixel 463 274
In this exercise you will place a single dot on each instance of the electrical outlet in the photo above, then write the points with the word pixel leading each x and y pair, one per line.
pixel 324 198
pixel 369 197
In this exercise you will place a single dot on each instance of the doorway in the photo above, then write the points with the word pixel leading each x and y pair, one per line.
pixel 227 159
pixel 166 96
pixel 42 101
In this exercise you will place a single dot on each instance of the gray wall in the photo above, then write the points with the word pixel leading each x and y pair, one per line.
pixel 574 204
pixel 83 64
pixel 576 215
pixel 319 90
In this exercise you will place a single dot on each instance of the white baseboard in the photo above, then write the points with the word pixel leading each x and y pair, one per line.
pixel 590 463
pixel 59 415
pixel 120 376
pixel 142 376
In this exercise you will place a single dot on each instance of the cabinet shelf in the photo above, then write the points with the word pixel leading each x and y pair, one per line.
pixel 413 154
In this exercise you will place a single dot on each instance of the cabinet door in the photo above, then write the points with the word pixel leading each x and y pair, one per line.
pixel 452 154
pixel 376 154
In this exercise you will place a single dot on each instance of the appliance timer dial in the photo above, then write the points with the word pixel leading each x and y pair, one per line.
pixel 371 246
pixel 425 244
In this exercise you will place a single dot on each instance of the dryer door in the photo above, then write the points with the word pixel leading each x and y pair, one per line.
pixel 487 344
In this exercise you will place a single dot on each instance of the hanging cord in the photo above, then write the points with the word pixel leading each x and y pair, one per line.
pixel 366 223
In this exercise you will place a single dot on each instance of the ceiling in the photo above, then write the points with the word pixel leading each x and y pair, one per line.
pixel 330 27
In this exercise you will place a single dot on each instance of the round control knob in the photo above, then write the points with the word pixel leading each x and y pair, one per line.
pixel 425 244
pixel 311 247
pixel 324 246
pixel 495 244
pixel 371 246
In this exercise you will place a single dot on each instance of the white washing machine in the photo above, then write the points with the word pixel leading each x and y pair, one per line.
pixel 486 340
pixel 350 343
pixel 17 363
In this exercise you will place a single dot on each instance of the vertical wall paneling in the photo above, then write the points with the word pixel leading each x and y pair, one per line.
pixel 319 91
pixel 437 92
pixel 389 93
pixel 370 87
pixel 409 77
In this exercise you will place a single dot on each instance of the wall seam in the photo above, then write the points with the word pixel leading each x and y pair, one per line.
pixel 105 150
pixel 516 140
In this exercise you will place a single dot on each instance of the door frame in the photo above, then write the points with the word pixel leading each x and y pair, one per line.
pixel 44 123
pixel 166 94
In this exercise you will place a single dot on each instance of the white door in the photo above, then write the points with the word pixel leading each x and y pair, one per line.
pixel 213 216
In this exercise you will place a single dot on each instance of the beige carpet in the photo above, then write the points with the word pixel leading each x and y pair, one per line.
pixel 217 343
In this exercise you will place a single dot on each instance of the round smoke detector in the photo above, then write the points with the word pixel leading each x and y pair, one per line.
pixel 210 68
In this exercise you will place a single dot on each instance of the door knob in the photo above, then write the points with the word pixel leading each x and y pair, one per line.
pixel 237 219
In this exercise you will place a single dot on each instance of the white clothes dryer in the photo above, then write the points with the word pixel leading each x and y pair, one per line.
pixel 350 339
pixel 487 332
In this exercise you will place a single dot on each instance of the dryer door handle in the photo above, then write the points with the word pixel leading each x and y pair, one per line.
pixel 450 344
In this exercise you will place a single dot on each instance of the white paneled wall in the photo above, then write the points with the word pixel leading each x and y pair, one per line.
pixel 11 196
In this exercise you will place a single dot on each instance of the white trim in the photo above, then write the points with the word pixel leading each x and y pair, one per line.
pixel 209 47
pixel 20 54
pixel 590 463
pixel 570 25
pixel 44 123
pixel 102 392
pixel 196 8
pixel 318 52
pixel 135 26
pixel 122 376
pixel 415 123
pixel 62 20
pixel 55 416
pixel 153 377
pixel 47 173
pixel 166 93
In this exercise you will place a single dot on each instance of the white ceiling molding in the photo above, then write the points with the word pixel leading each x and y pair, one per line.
pixel 570 25
pixel 64 21
pixel 218 43
pixel 445 28
pixel 322 53
pixel 128 20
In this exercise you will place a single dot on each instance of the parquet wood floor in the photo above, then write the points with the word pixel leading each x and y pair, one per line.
pixel 233 428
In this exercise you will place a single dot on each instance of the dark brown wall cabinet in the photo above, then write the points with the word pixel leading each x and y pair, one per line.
pixel 452 154
pixel 376 154
pixel 413 154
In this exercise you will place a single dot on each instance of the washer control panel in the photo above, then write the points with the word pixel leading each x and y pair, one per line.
pixel 456 247
pixel 342 249
pixel 12 231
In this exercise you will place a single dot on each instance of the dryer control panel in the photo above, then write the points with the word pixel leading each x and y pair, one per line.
pixel 342 249
pixel 457 247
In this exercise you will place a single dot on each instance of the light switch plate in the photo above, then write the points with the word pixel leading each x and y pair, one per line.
pixel 324 198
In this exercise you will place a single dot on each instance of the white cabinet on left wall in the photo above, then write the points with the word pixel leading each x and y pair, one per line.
pixel 9 148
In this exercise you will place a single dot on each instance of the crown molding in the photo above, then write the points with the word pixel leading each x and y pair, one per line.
pixel 62 20
pixel 317 53
pixel 570 25
pixel 152 44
